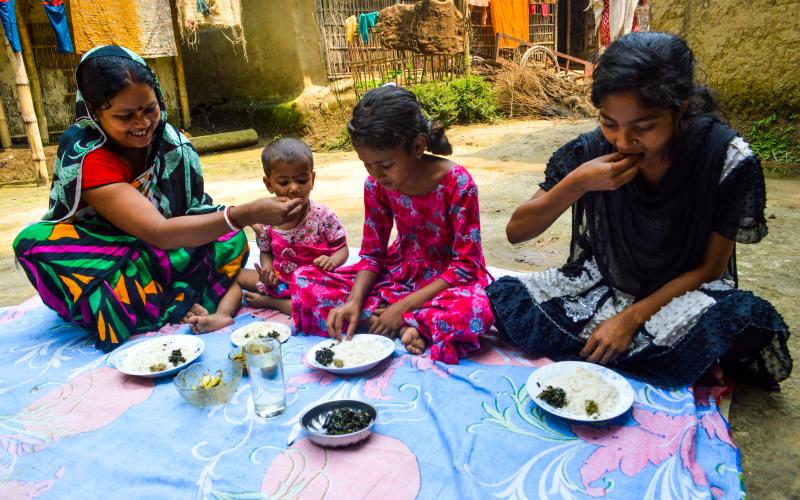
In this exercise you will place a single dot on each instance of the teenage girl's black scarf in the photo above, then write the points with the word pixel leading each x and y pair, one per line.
pixel 643 236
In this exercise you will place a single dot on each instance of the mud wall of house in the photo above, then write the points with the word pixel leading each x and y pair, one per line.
pixel 748 51
pixel 57 79
pixel 283 57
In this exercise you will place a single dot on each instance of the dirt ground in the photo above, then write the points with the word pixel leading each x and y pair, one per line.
pixel 507 161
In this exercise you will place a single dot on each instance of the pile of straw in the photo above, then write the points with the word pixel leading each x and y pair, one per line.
pixel 535 91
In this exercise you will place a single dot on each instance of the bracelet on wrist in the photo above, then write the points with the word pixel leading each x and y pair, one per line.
pixel 229 219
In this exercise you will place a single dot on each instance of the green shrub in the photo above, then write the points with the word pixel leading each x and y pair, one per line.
pixel 776 140
pixel 463 100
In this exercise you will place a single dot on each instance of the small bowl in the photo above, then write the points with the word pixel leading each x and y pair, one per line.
pixel 237 355
pixel 187 382
pixel 314 418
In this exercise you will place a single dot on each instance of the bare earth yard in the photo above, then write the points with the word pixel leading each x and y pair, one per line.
pixel 507 161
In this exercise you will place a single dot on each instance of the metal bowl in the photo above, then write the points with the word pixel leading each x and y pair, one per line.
pixel 314 419
pixel 188 380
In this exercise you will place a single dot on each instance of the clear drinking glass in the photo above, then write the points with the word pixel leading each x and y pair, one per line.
pixel 265 367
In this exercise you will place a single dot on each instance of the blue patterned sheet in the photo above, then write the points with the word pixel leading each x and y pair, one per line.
pixel 73 427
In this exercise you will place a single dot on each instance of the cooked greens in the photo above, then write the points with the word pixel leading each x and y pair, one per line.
pixel 346 421
pixel 554 396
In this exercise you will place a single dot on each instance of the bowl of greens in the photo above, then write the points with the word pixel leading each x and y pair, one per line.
pixel 339 423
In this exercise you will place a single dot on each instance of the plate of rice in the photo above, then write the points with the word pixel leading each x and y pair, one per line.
pixel 260 329
pixel 157 356
pixel 350 357
pixel 580 391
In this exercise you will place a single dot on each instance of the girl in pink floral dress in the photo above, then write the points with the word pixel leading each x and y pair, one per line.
pixel 427 286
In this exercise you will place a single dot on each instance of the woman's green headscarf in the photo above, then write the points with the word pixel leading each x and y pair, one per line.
pixel 175 165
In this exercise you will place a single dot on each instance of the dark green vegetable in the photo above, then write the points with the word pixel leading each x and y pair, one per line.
pixel 554 396
pixel 591 408
pixel 324 356
pixel 176 357
pixel 273 334
pixel 345 421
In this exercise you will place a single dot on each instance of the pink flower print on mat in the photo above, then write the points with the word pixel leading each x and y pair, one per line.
pixel 88 402
pixel 375 387
pixel 496 352
pixel 24 490
pixel 380 467
pixel 629 449
pixel 315 376
pixel 17 445
pixel 18 312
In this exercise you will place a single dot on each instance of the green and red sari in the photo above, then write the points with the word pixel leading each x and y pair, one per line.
pixel 104 280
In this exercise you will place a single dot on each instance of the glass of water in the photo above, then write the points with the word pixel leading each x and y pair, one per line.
pixel 265 367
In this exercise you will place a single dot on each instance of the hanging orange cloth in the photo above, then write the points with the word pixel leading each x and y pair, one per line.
pixel 510 17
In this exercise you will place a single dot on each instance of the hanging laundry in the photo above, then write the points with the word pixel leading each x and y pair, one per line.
pixel 58 19
pixel 365 22
pixel 203 8
pixel 483 5
pixel 144 26
pixel 613 18
pixel 350 28
pixel 9 20
pixel 511 17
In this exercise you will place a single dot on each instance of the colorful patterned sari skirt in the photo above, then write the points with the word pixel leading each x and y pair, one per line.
pixel 115 285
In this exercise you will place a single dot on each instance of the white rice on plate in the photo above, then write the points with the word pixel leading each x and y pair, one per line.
pixel 582 385
pixel 153 357
pixel 355 352
pixel 260 330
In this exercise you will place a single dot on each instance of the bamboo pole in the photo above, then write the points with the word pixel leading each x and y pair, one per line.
pixel 28 114
pixel 5 134
pixel 33 75
pixel 183 95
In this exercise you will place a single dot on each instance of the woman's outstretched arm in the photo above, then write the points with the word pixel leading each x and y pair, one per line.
pixel 126 208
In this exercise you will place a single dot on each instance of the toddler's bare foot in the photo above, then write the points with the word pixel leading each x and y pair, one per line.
pixel 414 341
pixel 209 323
pixel 257 300
pixel 266 302
pixel 195 310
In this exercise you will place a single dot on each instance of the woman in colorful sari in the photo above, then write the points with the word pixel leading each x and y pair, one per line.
pixel 660 194
pixel 131 241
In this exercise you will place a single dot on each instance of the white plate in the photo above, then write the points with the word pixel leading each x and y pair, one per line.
pixel 384 348
pixel 126 359
pixel 243 334
pixel 548 372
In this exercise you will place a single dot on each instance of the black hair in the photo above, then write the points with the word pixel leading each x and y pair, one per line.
pixel 101 78
pixel 658 66
pixel 285 150
pixel 390 117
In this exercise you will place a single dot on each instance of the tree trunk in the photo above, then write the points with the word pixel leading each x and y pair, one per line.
pixel 30 66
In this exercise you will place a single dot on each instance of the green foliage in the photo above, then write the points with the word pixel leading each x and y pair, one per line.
pixel 462 100
pixel 776 140
pixel 341 142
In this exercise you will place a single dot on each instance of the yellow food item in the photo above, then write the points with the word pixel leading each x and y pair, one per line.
pixel 209 381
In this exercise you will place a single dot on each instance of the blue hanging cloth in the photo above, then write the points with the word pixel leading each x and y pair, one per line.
pixel 9 19
pixel 365 22
pixel 57 15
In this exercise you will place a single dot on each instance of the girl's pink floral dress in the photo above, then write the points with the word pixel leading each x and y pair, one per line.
pixel 320 233
pixel 438 236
